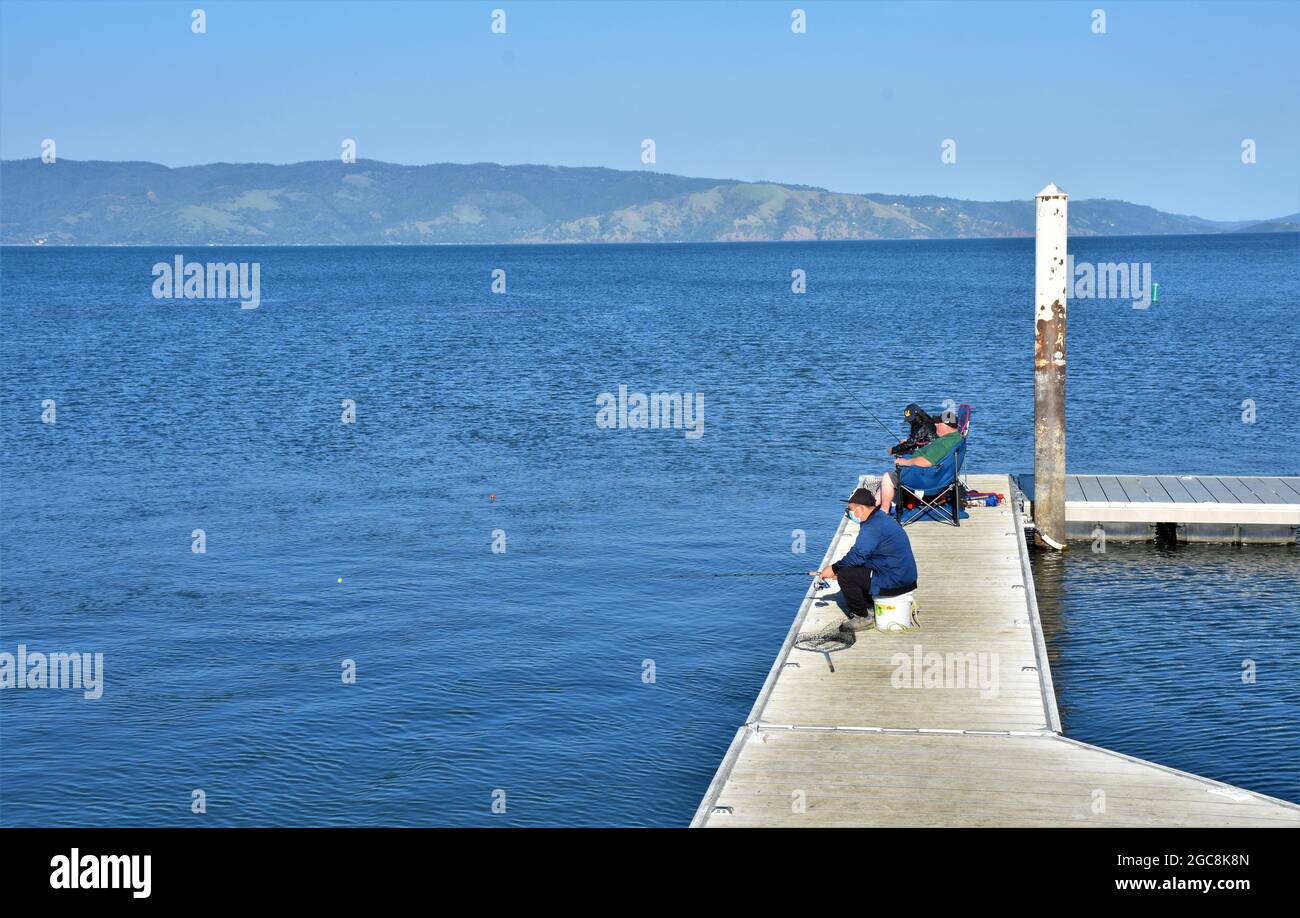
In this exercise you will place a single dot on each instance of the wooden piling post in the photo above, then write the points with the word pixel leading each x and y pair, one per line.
pixel 1051 282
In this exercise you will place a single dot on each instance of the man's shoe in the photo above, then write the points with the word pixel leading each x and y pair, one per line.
pixel 859 623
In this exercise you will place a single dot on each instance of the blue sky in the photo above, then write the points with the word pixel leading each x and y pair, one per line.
pixel 1153 111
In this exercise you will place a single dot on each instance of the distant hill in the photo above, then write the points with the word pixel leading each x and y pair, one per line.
pixel 369 202
pixel 1271 226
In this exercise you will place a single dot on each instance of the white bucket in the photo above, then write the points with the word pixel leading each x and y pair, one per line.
pixel 894 614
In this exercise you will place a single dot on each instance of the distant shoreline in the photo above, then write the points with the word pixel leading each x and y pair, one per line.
pixel 599 244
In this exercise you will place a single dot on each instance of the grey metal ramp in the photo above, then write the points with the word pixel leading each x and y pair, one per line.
pixel 868 743
pixel 975 623
pixel 857 778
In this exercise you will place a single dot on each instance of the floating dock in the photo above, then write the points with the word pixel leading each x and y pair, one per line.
pixel 952 725
pixel 1190 508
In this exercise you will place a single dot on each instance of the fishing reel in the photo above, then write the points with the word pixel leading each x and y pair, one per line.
pixel 922 430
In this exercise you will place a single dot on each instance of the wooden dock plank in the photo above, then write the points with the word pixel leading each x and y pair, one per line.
pixel 1144 488
pixel 1176 489
pixel 1272 490
pixel 1222 493
pixel 1240 490
pixel 1197 489
pixel 1289 484
pixel 1111 487
pixel 1091 488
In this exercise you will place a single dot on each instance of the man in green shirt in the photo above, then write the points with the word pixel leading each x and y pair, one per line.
pixel 926 456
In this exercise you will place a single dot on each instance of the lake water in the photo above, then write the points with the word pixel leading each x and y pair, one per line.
pixel 480 672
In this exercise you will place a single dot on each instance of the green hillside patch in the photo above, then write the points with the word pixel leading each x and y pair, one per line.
pixel 256 199
pixel 199 217
pixel 467 213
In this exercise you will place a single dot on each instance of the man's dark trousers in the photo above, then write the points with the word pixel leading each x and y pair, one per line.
pixel 855 584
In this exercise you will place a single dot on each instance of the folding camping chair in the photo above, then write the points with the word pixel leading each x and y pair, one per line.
pixel 934 493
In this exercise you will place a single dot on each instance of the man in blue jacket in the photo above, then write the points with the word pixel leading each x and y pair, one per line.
pixel 879 563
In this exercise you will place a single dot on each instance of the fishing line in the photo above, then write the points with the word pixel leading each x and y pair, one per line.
pixel 891 433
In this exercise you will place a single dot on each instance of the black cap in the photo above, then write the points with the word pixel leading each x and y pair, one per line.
pixel 862 496
pixel 912 409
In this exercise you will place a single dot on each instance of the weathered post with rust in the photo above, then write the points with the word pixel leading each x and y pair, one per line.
pixel 1050 285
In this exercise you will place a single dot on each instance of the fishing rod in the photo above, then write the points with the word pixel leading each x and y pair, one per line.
pixel 837 454
pixel 818 582
pixel 737 574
